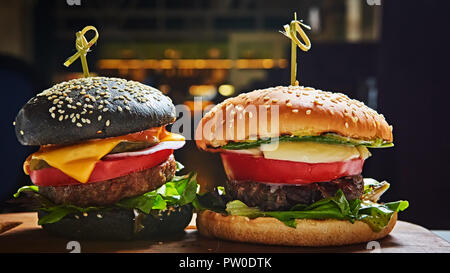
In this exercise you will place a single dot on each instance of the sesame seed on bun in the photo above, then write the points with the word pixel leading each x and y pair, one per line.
pixel 301 110
pixel 89 108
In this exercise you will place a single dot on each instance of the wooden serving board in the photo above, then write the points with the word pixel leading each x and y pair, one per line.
pixel 30 238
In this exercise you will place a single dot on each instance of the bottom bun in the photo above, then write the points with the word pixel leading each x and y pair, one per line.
pixel 268 230
pixel 120 224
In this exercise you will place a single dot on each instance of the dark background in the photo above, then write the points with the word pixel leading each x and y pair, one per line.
pixel 398 63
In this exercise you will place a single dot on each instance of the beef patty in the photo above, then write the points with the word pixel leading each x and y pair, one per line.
pixel 281 197
pixel 108 192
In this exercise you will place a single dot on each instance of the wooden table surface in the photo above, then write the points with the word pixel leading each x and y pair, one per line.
pixel 30 238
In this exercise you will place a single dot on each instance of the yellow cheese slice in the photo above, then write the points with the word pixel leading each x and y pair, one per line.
pixel 313 152
pixel 171 137
pixel 78 161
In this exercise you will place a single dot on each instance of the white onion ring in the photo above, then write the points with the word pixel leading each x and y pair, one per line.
pixel 165 145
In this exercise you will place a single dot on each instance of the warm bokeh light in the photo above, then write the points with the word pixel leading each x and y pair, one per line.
pixel 203 90
pixel 192 63
pixel 226 90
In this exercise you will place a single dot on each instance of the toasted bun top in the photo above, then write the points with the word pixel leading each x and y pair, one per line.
pixel 88 108
pixel 301 111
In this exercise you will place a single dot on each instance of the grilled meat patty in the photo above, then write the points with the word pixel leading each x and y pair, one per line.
pixel 283 196
pixel 108 192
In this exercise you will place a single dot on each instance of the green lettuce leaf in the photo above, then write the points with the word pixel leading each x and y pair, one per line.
pixel 397 205
pixel 336 207
pixel 376 215
pixel 190 189
pixel 328 138
pixel 215 200
pixel 34 189
pixel 145 202
pixel 56 213
pixel 181 190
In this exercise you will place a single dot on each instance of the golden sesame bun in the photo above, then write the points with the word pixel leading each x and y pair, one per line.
pixel 268 230
pixel 302 111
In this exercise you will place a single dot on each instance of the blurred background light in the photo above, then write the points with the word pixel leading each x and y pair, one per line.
pixel 203 90
pixel 226 90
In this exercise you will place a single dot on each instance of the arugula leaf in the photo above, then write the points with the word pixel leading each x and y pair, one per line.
pixel 328 138
pixel 145 202
pixel 376 215
pixel 237 207
pixel 181 190
pixel 215 200
pixel 354 205
pixel 190 190
pixel 336 207
pixel 56 213
pixel 397 205
pixel 34 189
pixel 180 183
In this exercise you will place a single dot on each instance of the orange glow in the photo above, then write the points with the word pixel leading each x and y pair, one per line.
pixel 268 63
pixel 282 63
pixel 124 64
pixel 197 105
pixel 202 90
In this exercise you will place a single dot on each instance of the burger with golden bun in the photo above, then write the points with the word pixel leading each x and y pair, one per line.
pixel 293 158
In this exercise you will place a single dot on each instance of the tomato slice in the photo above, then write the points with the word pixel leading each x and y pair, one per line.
pixel 244 167
pixel 104 169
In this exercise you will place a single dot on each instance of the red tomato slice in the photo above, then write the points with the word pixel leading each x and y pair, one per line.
pixel 105 169
pixel 242 167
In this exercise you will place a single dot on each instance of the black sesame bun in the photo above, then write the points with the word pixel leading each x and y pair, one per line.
pixel 121 224
pixel 89 108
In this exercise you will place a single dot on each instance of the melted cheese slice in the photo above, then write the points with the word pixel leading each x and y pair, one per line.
pixel 313 152
pixel 78 161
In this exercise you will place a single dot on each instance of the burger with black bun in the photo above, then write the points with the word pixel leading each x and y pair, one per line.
pixel 294 170
pixel 105 167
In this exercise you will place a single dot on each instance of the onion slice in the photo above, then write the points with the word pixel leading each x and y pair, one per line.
pixel 254 152
pixel 165 145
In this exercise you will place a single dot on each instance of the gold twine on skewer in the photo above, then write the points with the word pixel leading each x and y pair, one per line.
pixel 290 31
pixel 82 46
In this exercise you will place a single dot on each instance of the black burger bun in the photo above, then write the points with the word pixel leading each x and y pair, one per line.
pixel 121 224
pixel 90 108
